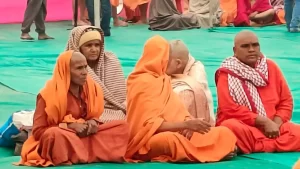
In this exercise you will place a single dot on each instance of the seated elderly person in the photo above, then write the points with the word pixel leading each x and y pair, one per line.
pixel 189 82
pixel 163 15
pixel 104 67
pixel 255 13
pixel 66 129
pixel 161 128
pixel 254 100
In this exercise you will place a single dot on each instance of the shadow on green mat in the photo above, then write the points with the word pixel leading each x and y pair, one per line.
pixel 237 163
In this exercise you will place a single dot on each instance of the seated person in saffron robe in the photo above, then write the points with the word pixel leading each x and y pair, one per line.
pixel 254 13
pixel 190 83
pixel 65 128
pixel 229 12
pixel 254 100
pixel 161 129
pixel 104 67
pixel 142 5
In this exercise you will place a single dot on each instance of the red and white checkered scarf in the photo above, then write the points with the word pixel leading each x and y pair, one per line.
pixel 243 80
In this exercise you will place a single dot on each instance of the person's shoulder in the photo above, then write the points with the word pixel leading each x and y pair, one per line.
pixel 199 64
pixel 110 54
pixel 272 64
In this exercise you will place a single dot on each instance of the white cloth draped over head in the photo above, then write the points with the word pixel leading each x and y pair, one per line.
pixel 108 73
pixel 195 78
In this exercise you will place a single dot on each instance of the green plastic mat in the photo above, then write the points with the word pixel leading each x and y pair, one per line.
pixel 25 66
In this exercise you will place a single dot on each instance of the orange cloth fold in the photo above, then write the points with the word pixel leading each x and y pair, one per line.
pixel 132 4
pixel 229 11
pixel 55 95
pixel 114 3
pixel 151 101
pixel 297 165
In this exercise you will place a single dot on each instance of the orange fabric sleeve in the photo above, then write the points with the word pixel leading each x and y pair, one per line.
pixel 114 3
pixel 40 123
pixel 228 108
pixel 285 107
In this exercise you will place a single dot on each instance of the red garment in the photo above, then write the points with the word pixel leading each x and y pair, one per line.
pixel 277 100
pixel 244 9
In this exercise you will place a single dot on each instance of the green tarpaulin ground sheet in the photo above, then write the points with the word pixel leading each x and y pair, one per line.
pixel 25 66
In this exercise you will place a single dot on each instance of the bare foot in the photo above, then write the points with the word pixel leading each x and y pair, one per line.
pixel 26 36
pixel 141 22
pixel 44 36
pixel 120 23
pixel 231 155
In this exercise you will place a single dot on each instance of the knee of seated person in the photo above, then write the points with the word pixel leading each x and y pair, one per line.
pixel 232 124
pixel 53 132
pixel 158 141
pixel 175 17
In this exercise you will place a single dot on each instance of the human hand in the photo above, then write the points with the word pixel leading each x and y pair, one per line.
pixel 187 133
pixel 92 127
pixel 198 125
pixel 271 129
pixel 278 121
pixel 252 15
pixel 79 128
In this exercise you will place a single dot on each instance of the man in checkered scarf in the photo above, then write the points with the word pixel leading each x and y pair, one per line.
pixel 254 100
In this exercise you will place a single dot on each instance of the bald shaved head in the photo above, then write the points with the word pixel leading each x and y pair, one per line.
pixel 179 50
pixel 247 48
pixel 179 57
pixel 244 34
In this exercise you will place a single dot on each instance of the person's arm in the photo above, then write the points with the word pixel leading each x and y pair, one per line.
pixel 40 123
pixel 172 127
pixel 228 108
pixel 285 107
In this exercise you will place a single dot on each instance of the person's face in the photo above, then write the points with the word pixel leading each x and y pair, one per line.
pixel 78 69
pixel 91 50
pixel 247 50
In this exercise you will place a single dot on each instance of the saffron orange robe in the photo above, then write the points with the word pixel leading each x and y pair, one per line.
pixel 297 165
pixel 52 143
pixel 229 12
pixel 277 100
pixel 151 101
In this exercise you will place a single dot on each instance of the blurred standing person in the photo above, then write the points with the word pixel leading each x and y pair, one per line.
pixel 292 15
pixel 105 14
pixel 82 13
pixel 36 11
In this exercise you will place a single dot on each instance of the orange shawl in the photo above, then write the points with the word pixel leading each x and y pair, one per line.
pixel 132 4
pixel 297 165
pixel 114 3
pixel 150 97
pixel 55 95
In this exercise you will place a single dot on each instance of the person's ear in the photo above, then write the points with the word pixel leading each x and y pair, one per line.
pixel 234 50
pixel 178 63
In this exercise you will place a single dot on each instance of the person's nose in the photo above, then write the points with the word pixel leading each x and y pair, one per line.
pixel 93 48
pixel 84 72
pixel 251 49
